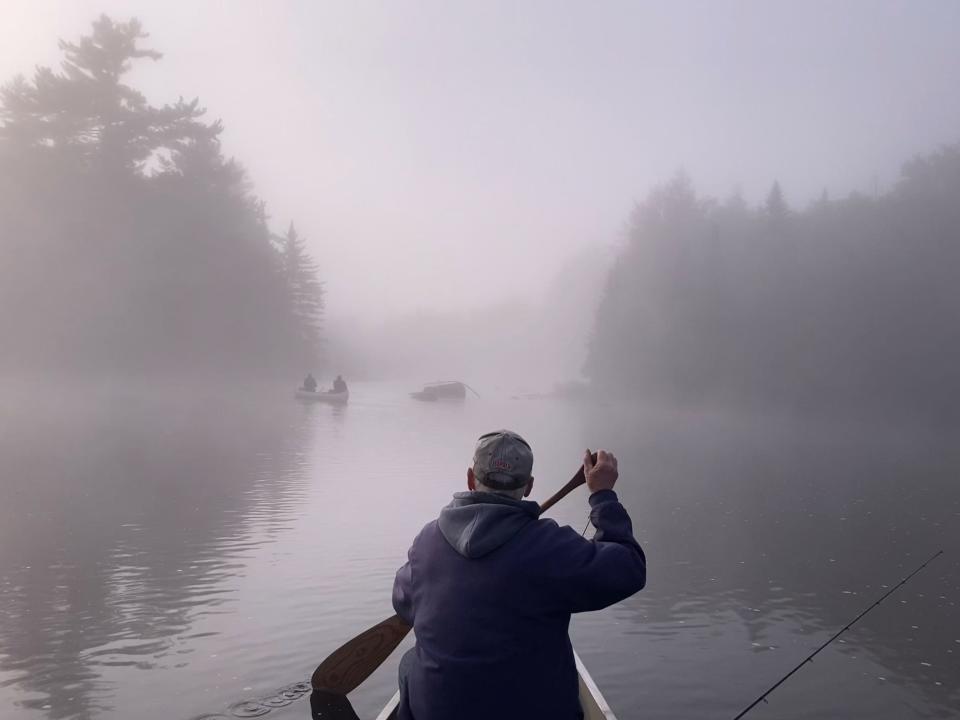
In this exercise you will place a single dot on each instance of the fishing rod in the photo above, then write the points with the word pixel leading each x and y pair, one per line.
pixel 809 658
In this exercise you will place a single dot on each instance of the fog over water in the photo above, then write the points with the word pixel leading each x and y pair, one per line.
pixel 721 239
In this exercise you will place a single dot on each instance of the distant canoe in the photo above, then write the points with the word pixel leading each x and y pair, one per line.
pixel 591 700
pixel 335 398
pixel 424 395
pixel 445 390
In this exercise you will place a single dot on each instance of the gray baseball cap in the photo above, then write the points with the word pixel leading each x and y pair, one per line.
pixel 503 460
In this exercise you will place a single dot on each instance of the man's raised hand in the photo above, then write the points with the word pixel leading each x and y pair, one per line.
pixel 603 474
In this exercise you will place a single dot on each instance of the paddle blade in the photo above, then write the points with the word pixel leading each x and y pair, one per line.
pixel 324 706
pixel 354 661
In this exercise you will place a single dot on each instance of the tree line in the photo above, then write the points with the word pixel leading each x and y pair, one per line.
pixel 846 308
pixel 128 241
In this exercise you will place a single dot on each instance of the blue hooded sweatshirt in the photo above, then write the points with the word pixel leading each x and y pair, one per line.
pixel 489 589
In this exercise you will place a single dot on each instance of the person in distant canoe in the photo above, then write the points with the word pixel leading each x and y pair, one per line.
pixel 309 384
pixel 489 588
pixel 339 386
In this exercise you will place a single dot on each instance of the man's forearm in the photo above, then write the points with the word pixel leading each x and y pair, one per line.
pixel 611 520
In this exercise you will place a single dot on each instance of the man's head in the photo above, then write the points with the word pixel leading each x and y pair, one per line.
pixel 502 464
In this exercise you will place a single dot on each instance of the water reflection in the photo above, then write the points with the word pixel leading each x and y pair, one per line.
pixel 125 514
pixel 764 541
pixel 168 557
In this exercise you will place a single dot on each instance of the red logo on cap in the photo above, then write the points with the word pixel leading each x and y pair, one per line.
pixel 500 464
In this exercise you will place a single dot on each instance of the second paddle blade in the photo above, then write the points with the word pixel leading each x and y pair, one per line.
pixel 355 661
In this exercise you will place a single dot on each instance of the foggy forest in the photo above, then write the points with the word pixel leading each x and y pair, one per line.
pixel 152 252
pixel 138 247
pixel 279 280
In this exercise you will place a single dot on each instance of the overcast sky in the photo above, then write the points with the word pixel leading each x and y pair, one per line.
pixel 453 154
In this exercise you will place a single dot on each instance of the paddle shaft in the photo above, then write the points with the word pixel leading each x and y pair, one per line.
pixel 353 662
pixel 575 482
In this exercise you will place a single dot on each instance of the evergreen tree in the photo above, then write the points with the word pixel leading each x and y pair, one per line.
pixel 305 288
pixel 87 113
pixel 134 243
pixel 776 206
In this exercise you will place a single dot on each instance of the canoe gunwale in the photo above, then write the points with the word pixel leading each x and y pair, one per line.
pixel 594 705
pixel 390 710
pixel 600 710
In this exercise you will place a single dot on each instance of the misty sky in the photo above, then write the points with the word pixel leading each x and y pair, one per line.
pixel 452 155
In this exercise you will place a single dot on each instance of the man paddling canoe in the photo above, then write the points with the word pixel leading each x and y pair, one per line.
pixel 489 589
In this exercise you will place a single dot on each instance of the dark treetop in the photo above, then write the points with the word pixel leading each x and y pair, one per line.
pixel 127 240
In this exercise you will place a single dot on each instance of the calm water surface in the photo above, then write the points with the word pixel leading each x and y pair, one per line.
pixel 170 553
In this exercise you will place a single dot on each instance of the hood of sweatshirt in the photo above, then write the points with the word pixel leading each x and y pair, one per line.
pixel 477 523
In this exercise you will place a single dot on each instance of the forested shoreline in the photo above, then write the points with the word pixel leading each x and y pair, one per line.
pixel 129 242
pixel 848 308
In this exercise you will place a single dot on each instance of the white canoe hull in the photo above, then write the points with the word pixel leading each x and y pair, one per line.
pixel 591 699
pixel 325 397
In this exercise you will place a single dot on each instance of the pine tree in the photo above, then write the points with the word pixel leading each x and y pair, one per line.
pixel 87 113
pixel 148 246
pixel 306 291
pixel 776 206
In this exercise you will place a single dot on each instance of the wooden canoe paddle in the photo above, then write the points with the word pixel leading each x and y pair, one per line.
pixel 354 661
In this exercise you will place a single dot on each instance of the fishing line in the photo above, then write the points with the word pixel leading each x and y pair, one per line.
pixel 809 658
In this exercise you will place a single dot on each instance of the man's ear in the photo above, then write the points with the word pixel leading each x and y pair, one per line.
pixel 526 493
pixel 471 480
